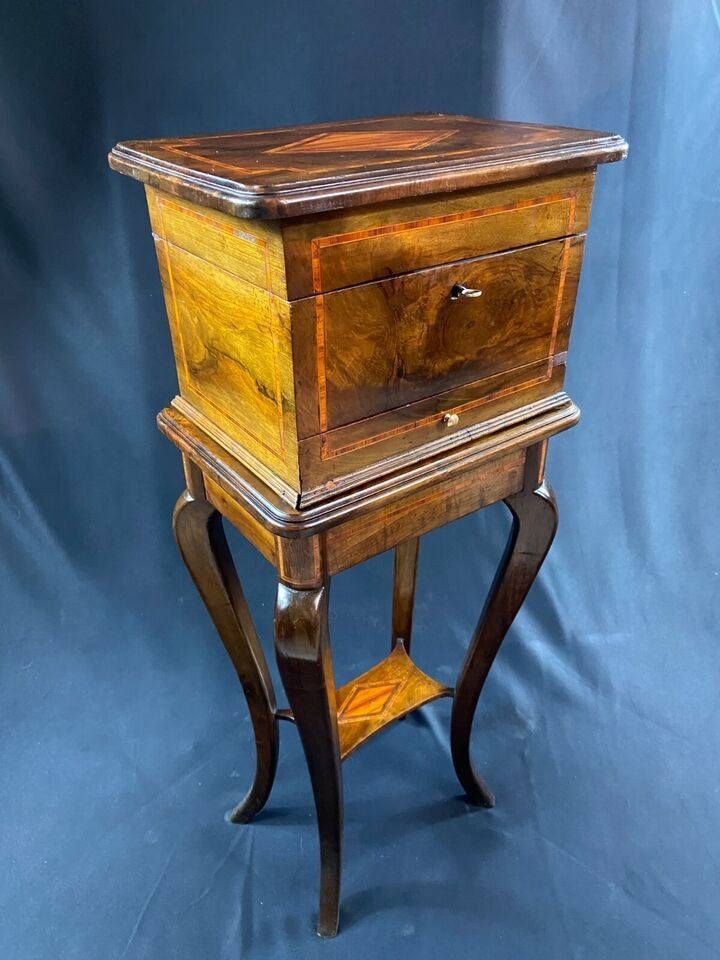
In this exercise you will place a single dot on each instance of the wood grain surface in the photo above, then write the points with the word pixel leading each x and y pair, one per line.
pixel 514 431
pixel 234 361
pixel 294 171
pixel 390 343
pixel 329 251
pixel 380 696
pixel 417 512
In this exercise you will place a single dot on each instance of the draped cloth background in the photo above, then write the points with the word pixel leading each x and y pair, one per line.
pixel 124 733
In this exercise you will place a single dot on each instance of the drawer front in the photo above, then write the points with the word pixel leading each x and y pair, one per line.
pixel 362 452
pixel 342 250
pixel 381 346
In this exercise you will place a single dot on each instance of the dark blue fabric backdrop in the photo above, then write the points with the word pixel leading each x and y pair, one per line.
pixel 124 734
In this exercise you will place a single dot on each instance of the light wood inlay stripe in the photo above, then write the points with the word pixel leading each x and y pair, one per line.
pixel 558 304
pixel 321 367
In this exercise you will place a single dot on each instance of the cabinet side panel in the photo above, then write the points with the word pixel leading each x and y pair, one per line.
pixel 249 249
pixel 233 355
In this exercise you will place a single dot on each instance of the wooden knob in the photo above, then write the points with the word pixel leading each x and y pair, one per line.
pixel 451 419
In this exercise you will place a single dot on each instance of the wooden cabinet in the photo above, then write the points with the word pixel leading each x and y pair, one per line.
pixel 320 348
pixel 370 322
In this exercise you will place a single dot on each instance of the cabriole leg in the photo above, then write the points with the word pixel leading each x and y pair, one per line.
pixel 201 540
pixel 535 520
pixel 305 664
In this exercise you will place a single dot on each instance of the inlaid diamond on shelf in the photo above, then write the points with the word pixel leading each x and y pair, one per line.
pixel 361 141
pixel 386 692
pixel 368 700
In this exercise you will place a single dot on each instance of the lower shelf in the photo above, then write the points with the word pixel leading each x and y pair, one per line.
pixel 386 692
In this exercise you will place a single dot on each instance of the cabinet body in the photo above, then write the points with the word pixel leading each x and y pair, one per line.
pixel 323 351
pixel 346 299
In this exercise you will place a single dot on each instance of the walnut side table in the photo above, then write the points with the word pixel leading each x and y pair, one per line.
pixel 370 323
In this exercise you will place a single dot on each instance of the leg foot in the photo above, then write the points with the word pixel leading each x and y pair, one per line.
pixel 534 524
pixel 304 661
pixel 201 540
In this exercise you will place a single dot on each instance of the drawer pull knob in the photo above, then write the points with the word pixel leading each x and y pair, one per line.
pixel 451 419
pixel 460 292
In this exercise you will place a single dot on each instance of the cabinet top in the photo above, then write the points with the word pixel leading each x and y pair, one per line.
pixel 292 171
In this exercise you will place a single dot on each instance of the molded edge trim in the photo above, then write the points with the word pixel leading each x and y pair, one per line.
pixel 541 420
pixel 356 190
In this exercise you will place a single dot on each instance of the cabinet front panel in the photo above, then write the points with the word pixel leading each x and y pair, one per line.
pixel 341 250
pixel 385 345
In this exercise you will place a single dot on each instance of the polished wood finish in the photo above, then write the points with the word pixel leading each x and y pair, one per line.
pixel 318 379
pixel 356 455
pixel 324 392
pixel 371 323
pixel 504 436
pixel 391 343
pixel 380 696
pixel 251 251
pixel 335 250
pixel 243 520
pixel 239 387
pixel 305 665
pixel 405 562
pixel 535 518
pixel 202 544
pixel 293 171
pixel 416 512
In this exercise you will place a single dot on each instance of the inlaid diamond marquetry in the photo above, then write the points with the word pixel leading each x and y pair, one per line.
pixel 360 141
pixel 369 700
pixel 388 691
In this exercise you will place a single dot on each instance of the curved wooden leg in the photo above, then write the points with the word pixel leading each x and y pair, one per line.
pixel 201 540
pixel 534 524
pixel 404 574
pixel 304 660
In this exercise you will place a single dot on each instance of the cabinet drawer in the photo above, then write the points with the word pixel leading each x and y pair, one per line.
pixel 382 346
pixel 342 250
pixel 359 453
